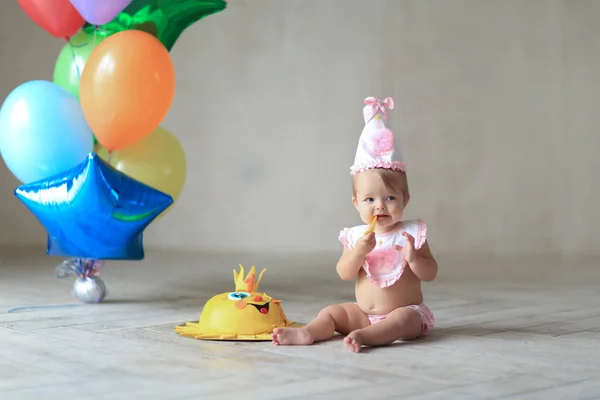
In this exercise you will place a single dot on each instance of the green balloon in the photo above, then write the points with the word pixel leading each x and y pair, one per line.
pixel 165 19
pixel 72 59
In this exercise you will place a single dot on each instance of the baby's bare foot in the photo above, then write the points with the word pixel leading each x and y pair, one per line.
pixel 353 342
pixel 290 336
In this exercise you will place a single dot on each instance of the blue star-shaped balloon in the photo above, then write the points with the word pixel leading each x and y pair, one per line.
pixel 94 211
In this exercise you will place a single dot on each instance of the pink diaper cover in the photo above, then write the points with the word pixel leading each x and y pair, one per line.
pixel 427 318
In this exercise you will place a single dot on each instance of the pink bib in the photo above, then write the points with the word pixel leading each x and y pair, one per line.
pixel 385 265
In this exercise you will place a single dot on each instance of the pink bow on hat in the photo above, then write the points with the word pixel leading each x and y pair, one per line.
pixel 378 105
pixel 375 106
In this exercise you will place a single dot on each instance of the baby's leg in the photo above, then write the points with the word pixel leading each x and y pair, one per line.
pixel 400 324
pixel 342 318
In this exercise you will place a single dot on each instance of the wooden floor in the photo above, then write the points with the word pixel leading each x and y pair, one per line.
pixel 506 329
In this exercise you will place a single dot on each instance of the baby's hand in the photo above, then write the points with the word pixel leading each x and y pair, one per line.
pixel 366 244
pixel 409 252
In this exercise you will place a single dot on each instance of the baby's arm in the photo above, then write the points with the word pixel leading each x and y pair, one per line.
pixel 350 263
pixel 424 266
pixel 355 251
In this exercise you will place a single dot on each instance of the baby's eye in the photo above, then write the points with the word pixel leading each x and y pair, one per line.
pixel 390 198
pixel 369 200
pixel 238 295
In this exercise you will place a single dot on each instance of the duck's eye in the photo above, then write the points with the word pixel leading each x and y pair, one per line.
pixel 238 295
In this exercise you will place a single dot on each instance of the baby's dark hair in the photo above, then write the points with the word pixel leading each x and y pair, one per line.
pixel 393 180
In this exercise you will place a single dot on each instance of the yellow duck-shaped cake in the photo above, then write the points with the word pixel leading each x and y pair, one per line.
pixel 244 314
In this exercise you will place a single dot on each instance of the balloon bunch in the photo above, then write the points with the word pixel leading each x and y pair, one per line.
pixel 95 165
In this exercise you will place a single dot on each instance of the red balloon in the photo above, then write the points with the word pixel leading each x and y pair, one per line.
pixel 57 17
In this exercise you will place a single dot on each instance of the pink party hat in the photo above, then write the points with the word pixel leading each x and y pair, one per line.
pixel 376 145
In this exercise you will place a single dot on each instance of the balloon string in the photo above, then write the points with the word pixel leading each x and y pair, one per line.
pixel 74 59
pixel 21 309
pixel 110 153
pixel 95 30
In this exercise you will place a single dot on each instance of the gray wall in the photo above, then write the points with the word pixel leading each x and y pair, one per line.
pixel 497 116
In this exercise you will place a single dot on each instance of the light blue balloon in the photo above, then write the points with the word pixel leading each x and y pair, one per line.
pixel 43 131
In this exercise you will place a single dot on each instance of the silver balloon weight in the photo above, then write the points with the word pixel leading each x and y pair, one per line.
pixel 89 289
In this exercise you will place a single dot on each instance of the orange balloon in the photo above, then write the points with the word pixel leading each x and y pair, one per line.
pixel 126 88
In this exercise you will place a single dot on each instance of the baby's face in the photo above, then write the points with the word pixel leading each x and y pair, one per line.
pixel 374 198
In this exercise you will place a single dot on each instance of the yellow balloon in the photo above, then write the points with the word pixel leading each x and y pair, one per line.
pixel 157 160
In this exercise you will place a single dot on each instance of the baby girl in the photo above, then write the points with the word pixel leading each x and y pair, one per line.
pixel 389 261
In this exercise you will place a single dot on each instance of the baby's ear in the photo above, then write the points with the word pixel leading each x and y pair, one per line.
pixel 354 201
pixel 406 199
